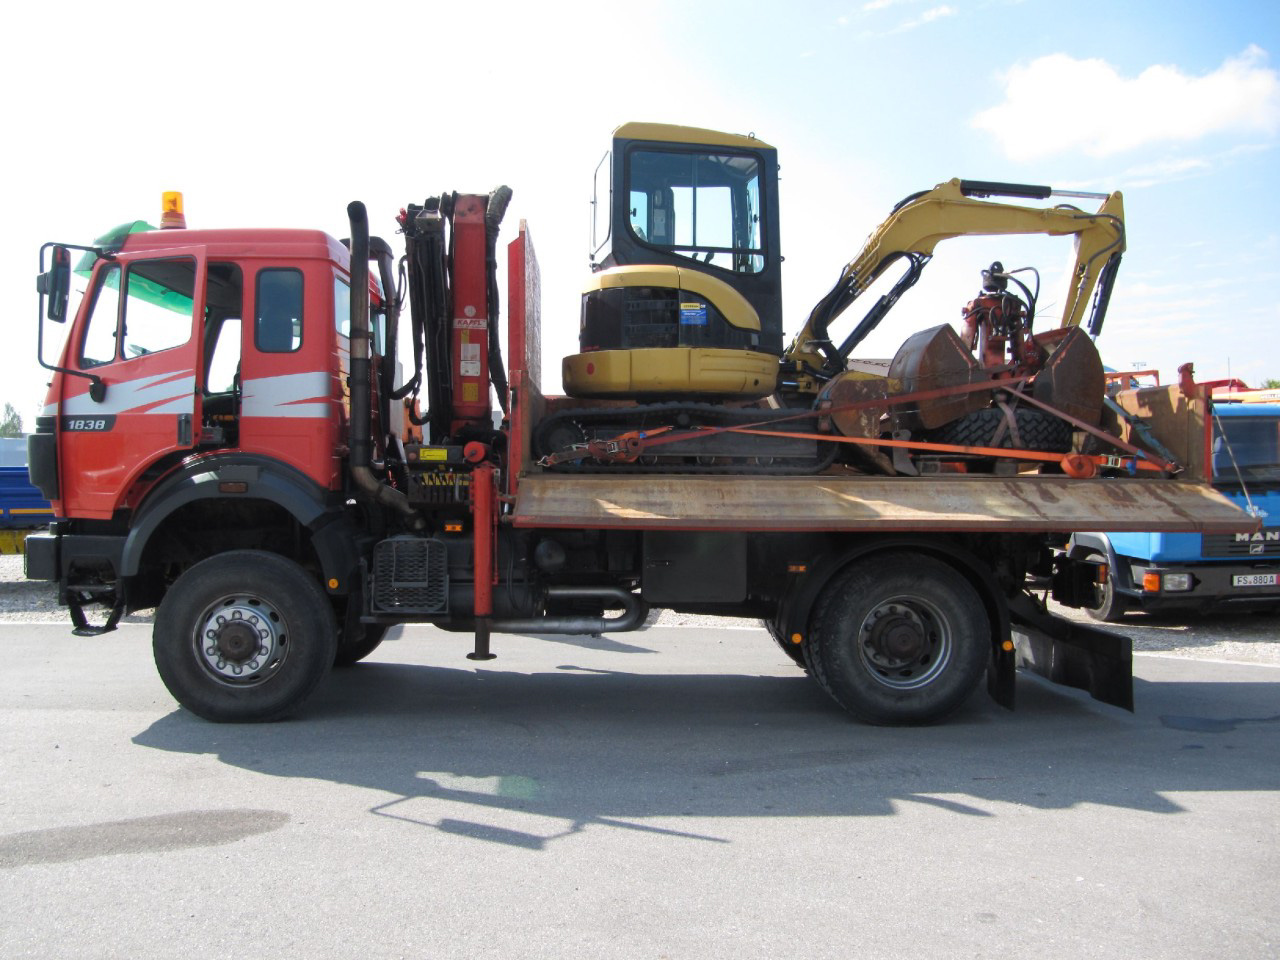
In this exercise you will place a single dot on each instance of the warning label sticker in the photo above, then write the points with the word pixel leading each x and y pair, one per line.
pixel 469 361
pixel 693 314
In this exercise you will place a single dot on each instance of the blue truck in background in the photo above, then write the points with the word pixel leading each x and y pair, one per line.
pixel 22 508
pixel 1203 572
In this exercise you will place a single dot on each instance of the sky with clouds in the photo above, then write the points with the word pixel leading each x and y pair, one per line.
pixel 278 114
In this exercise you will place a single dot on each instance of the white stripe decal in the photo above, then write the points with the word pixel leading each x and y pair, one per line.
pixel 293 395
pixel 166 393
pixel 180 405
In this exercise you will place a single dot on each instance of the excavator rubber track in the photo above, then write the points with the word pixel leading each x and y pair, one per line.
pixel 564 435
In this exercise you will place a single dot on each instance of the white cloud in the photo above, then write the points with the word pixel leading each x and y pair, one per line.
pixel 1167 170
pixel 1056 104
pixel 1164 171
pixel 930 15
pixel 871 7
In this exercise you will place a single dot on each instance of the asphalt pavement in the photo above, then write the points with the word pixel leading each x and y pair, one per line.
pixel 682 793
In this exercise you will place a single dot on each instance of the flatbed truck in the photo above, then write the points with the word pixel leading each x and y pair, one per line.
pixel 283 513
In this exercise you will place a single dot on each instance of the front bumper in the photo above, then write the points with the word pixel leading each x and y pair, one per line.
pixel 1212 585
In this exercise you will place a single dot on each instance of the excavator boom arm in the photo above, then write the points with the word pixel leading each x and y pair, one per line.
pixel 952 209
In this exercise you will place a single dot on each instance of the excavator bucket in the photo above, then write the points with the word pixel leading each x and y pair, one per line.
pixel 854 401
pixel 934 359
pixel 1072 379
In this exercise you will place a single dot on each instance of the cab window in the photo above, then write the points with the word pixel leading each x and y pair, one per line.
pixel 223 296
pixel 153 315
pixel 157 306
pixel 277 322
pixel 99 345
pixel 703 206
pixel 342 313
pixel 342 306
pixel 1246 448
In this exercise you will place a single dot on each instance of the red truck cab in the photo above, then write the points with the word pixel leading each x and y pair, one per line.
pixel 161 327
pixel 200 364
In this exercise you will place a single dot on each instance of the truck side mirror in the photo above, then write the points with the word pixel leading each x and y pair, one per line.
pixel 55 283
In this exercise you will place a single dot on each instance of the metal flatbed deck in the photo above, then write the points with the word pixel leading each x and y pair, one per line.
pixel 985 504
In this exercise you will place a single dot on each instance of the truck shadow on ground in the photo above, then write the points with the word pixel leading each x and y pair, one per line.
pixel 520 759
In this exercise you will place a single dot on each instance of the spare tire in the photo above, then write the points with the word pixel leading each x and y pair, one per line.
pixel 1038 430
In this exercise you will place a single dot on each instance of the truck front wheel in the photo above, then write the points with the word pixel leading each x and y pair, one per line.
pixel 1110 605
pixel 244 636
pixel 899 638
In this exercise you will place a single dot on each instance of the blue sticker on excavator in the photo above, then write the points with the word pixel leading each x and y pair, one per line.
pixel 693 314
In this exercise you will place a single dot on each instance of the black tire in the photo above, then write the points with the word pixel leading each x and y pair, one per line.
pixel 353 651
pixel 554 434
pixel 1039 430
pixel 899 638
pixel 1110 605
pixel 209 622
pixel 794 651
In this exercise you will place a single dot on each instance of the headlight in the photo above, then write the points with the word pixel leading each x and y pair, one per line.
pixel 1153 581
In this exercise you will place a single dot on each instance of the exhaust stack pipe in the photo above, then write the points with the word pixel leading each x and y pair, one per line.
pixel 361 448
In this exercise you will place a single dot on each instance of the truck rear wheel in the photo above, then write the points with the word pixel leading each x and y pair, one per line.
pixel 244 636
pixel 899 638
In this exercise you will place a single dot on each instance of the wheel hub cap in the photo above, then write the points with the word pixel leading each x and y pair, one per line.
pixel 237 641
pixel 241 638
pixel 904 643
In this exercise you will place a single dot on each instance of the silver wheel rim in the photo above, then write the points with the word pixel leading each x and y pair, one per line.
pixel 904 643
pixel 241 640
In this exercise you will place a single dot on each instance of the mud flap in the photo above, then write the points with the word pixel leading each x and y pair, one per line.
pixel 1073 654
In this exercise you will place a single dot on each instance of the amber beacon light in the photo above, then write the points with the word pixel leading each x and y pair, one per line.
pixel 172 217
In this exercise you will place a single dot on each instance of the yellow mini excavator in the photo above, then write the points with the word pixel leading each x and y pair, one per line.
pixel 683 318
pixel 686 299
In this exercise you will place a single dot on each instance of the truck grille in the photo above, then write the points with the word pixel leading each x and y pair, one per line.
pixel 410 575
pixel 1264 543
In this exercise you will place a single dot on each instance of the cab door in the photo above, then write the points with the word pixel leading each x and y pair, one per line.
pixel 291 379
pixel 138 335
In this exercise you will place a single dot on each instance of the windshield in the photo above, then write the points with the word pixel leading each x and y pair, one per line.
pixel 1252 444
pixel 702 206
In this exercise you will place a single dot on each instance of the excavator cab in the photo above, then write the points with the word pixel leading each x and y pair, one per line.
pixel 685 299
